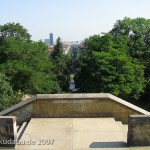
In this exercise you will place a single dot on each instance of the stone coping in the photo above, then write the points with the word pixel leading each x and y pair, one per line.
pixel 74 97
pixel 8 119
pixel 14 107
pixel 139 116
pixel 125 103
pixel 139 119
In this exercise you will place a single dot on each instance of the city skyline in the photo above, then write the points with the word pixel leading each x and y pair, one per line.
pixel 49 41
pixel 71 20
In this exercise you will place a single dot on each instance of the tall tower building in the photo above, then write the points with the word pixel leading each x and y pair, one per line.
pixel 51 39
pixel 47 41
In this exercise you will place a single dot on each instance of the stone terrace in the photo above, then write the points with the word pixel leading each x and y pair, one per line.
pixel 80 122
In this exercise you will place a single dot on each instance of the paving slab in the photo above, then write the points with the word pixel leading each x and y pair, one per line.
pixel 43 131
pixel 97 133
pixel 73 134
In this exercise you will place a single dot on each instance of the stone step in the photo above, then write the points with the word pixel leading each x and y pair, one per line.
pixel 123 128
pixel 21 130
pixel 18 127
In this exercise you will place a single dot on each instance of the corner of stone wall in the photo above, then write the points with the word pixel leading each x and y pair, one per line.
pixel 139 130
pixel 8 131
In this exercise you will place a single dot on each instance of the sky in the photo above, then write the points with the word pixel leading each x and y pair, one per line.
pixel 72 20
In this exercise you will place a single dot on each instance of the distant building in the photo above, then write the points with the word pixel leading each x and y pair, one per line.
pixel 50 48
pixel 47 41
pixel 66 48
pixel 73 42
pixel 51 39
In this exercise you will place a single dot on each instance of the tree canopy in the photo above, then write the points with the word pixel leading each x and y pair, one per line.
pixel 14 30
pixel 138 46
pixel 7 97
pixel 62 66
pixel 26 63
pixel 117 62
pixel 108 68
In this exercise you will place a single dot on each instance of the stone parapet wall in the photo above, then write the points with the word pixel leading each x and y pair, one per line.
pixel 82 108
pixel 139 130
pixel 8 131
pixel 73 105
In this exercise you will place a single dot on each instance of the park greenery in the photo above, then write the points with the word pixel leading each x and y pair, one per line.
pixel 6 93
pixel 116 62
pixel 26 67
pixel 107 68
pixel 62 65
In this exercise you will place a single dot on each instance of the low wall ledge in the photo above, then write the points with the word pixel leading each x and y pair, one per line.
pixel 140 116
pixel 7 119
pixel 139 119
pixel 71 97
pixel 14 107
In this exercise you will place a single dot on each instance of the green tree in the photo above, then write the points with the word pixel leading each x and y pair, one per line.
pixel 43 79
pixel 58 49
pixel 29 68
pixel 61 66
pixel 110 69
pixel 138 32
pixel 7 97
pixel 14 30
pixel 27 64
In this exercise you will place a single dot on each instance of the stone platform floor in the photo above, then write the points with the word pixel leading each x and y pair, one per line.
pixel 75 134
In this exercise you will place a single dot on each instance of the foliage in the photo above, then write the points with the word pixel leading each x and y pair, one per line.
pixel 15 31
pixel 61 66
pixel 27 64
pixel 138 32
pixel 28 67
pixel 117 62
pixel 58 49
pixel 109 69
pixel 7 97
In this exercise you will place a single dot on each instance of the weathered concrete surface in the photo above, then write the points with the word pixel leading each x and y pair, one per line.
pixel 78 133
pixel 73 105
pixel 74 133
pixel 82 108
pixel 139 130
pixel 8 131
